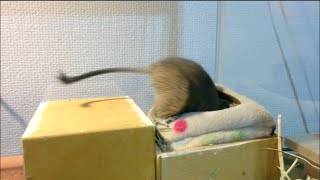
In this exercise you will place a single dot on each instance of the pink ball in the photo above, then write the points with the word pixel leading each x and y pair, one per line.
pixel 180 125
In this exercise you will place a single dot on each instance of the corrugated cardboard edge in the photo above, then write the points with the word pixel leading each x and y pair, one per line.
pixel 158 167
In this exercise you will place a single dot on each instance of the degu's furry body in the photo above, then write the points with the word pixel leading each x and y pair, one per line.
pixel 180 85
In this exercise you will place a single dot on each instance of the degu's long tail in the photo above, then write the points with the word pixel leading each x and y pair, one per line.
pixel 71 79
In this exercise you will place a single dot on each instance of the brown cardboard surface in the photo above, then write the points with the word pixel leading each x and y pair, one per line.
pixel 109 139
pixel 240 160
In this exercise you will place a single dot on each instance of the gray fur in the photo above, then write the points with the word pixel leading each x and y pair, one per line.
pixel 180 85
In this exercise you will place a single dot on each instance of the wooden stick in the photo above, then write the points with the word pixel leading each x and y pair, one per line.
pixel 286 175
pixel 280 155
pixel 291 167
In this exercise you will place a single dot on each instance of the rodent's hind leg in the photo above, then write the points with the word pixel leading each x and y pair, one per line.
pixel 154 118
pixel 164 112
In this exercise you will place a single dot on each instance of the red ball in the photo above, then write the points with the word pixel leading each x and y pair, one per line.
pixel 180 125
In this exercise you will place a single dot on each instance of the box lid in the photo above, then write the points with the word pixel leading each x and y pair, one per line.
pixel 55 118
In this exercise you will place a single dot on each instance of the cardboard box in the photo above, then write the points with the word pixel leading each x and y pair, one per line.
pixel 103 138
pixel 243 160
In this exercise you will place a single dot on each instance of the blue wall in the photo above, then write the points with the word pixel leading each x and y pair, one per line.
pixel 253 64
